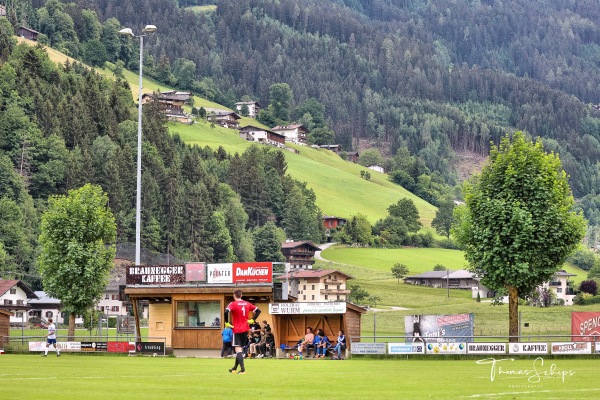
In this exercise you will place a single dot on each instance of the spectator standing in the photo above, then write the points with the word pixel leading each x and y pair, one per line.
pixel 239 310
pixel 227 335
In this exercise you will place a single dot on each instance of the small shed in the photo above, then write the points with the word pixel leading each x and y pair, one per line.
pixel 4 326
pixel 27 33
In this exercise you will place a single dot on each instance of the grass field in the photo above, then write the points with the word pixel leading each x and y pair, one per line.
pixel 122 377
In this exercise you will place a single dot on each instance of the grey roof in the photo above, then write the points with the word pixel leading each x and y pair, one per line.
pixel 43 298
pixel 458 274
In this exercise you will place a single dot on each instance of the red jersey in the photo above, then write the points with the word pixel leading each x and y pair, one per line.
pixel 240 311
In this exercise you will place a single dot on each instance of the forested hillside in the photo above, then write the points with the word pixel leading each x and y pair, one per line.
pixel 64 126
pixel 422 81
pixel 431 78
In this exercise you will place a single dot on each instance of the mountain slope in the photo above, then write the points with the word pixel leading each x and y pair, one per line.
pixel 337 184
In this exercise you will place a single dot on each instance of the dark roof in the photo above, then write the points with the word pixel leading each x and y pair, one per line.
pixel 7 284
pixel 293 245
pixel 28 29
pixel 562 272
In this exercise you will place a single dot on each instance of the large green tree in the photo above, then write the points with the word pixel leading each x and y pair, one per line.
pixel 443 218
pixel 77 248
pixel 519 224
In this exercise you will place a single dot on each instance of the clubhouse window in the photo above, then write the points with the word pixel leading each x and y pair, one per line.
pixel 198 314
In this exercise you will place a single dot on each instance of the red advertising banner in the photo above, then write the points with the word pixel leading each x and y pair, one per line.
pixel 120 347
pixel 585 326
pixel 252 272
pixel 195 272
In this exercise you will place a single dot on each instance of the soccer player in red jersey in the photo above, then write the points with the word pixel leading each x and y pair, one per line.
pixel 238 312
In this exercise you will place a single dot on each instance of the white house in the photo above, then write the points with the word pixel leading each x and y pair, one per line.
pixel 377 168
pixel 253 108
pixel 561 286
pixel 14 298
pixel 110 303
pixel 263 136
pixel 294 133
pixel 318 285
pixel 46 307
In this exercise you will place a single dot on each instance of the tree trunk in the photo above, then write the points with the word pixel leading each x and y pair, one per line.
pixel 513 314
pixel 71 333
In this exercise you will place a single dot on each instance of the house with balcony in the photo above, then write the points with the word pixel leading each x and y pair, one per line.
pixel 562 286
pixel 226 119
pixel 171 103
pixel 318 285
pixel 263 136
pixel 300 255
pixel 45 307
pixel 14 298
pixel 252 106
pixel 294 133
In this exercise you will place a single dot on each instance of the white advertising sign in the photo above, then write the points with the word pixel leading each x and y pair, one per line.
pixel 528 348
pixel 219 273
pixel 486 348
pixel 597 347
pixel 368 348
pixel 406 348
pixel 571 348
pixel 307 308
pixel 63 346
pixel 446 348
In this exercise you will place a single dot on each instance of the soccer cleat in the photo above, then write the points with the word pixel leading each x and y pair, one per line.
pixel 44 355
pixel 241 372
pixel 58 355
pixel 233 371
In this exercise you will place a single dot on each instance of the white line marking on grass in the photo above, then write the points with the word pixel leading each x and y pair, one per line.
pixel 38 378
pixel 492 395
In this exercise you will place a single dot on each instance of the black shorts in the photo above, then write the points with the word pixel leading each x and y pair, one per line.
pixel 240 339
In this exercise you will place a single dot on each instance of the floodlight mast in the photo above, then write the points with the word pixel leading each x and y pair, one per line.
pixel 149 29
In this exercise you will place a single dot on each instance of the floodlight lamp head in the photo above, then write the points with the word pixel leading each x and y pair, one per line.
pixel 126 31
pixel 149 29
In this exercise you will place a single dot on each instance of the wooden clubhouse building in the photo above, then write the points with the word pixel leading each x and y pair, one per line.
pixel 187 303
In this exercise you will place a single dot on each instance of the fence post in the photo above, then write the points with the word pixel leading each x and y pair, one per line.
pixel 374 326
pixel 520 319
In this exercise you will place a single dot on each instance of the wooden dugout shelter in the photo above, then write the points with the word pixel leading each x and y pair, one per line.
pixel 189 315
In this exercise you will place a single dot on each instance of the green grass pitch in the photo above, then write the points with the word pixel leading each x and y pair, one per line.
pixel 121 377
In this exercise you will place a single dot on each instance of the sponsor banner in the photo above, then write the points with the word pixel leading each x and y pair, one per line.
pixel 195 272
pixel 597 347
pixel 120 347
pixel 585 326
pixel 308 308
pixel 528 348
pixel 125 324
pixel 155 274
pixel 150 347
pixel 368 348
pixel 219 273
pixel 571 348
pixel 440 328
pixel 252 272
pixel 93 346
pixel 63 346
pixel 486 348
pixel 446 348
pixel 406 348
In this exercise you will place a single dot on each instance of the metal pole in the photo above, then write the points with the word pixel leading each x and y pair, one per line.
pixel 138 202
pixel 374 326
pixel 448 282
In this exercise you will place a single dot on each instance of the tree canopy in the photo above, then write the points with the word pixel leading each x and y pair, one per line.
pixel 518 224
pixel 77 248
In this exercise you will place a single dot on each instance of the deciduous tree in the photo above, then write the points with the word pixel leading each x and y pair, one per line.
pixel 77 248
pixel 519 225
